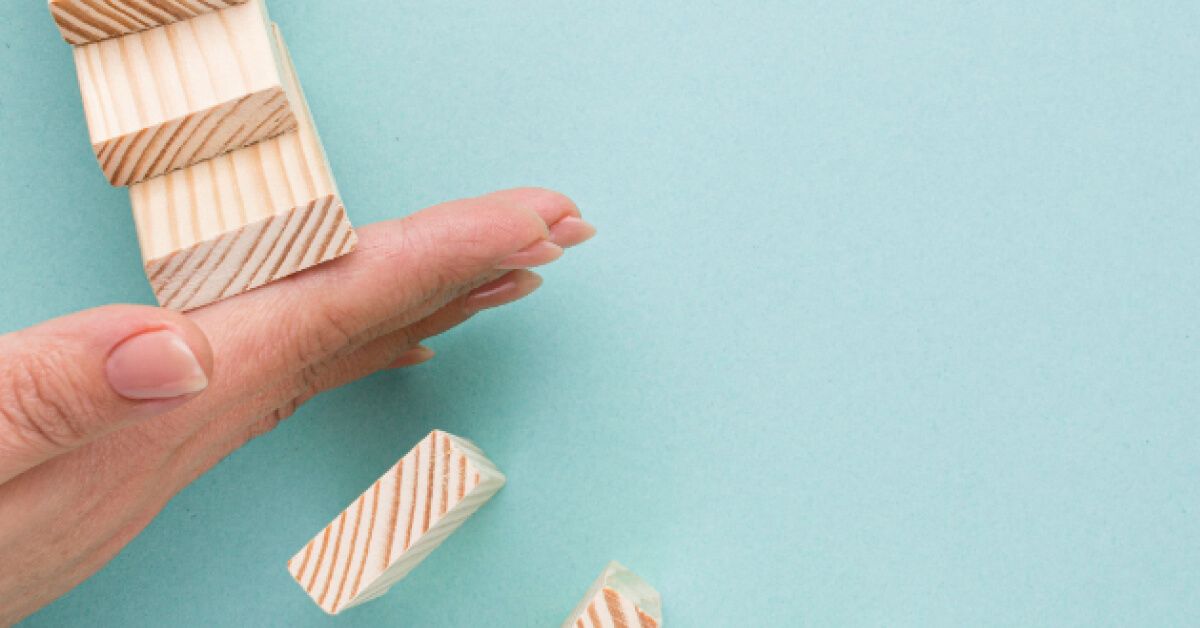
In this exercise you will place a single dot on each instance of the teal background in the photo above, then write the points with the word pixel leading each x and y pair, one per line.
pixel 892 319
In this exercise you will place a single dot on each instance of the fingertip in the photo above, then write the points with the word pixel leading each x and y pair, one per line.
pixel 414 356
pixel 571 231
pixel 513 286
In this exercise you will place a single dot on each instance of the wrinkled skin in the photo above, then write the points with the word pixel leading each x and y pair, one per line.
pixel 82 470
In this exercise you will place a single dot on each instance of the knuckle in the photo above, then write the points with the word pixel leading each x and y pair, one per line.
pixel 308 382
pixel 547 196
pixel 42 403
pixel 325 331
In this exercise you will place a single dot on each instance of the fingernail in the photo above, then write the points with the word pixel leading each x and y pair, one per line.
pixel 155 365
pixel 542 252
pixel 509 288
pixel 571 231
pixel 412 357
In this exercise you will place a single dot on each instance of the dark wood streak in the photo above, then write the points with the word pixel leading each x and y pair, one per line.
pixel 191 276
pixel 86 21
pixel 362 566
pixel 613 600
pixel 412 511
pixel 308 212
pixel 337 597
pixel 387 552
pixel 109 13
pixel 337 547
pixel 320 558
pixel 266 225
pixel 429 482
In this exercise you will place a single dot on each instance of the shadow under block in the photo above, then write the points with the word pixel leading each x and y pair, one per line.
pixel 172 96
pixel 396 522
pixel 618 598
pixel 87 21
pixel 238 221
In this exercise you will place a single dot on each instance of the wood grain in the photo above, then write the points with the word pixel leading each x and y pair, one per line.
pixel 165 98
pixel 236 222
pixel 396 523
pixel 87 21
pixel 618 599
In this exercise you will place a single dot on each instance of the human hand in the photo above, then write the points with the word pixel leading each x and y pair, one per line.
pixel 106 414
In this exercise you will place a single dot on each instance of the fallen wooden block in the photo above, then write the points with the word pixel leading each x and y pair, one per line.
pixel 87 21
pixel 238 221
pixel 618 598
pixel 172 96
pixel 396 522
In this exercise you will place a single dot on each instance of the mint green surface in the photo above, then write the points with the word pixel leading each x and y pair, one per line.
pixel 893 318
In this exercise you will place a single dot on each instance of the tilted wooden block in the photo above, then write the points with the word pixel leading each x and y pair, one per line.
pixel 87 21
pixel 172 96
pixel 620 599
pixel 396 522
pixel 236 222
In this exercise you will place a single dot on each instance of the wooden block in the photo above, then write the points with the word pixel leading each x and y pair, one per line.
pixel 238 221
pixel 87 21
pixel 396 522
pixel 619 598
pixel 172 96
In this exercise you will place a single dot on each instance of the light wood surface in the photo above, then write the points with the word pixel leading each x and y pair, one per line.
pixel 618 599
pixel 172 96
pixel 87 21
pixel 396 522
pixel 236 222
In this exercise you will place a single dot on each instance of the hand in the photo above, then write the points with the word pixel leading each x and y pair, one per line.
pixel 106 414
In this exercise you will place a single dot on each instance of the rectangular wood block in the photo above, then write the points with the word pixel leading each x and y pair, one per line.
pixel 618 599
pixel 172 96
pixel 396 522
pixel 87 21
pixel 238 221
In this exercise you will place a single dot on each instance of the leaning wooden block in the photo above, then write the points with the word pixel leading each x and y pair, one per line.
pixel 87 21
pixel 238 221
pixel 396 523
pixel 172 96
pixel 618 598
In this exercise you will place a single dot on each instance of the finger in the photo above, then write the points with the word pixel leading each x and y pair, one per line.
pixel 399 265
pixel 71 380
pixel 513 286
pixel 393 350
pixel 567 229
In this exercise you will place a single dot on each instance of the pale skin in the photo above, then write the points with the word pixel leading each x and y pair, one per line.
pixel 94 439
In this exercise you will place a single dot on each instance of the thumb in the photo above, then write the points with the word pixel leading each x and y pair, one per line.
pixel 73 379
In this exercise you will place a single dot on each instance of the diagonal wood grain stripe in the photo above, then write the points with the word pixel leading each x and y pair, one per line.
pixel 362 565
pixel 393 521
pixel 613 603
pixel 86 21
pixel 320 558
pixel 341 588
pixel 337 547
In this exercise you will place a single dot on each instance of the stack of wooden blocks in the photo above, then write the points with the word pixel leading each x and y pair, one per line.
pixel 195 106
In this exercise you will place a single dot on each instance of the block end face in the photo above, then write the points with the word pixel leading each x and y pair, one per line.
pixel 84 22
pixel 618 597
pixel 421 501
pixel 197 137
